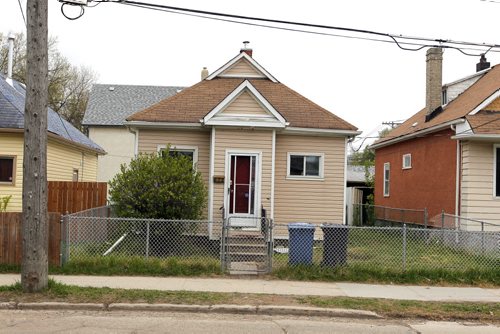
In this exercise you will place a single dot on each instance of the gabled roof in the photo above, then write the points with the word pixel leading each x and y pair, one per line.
pixel 194 103
pixel 458 109
pixel 12 99
pixel 242 57
pixel 112 104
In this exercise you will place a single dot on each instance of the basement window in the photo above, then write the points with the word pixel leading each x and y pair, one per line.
pixel 7 170
pixel 407 161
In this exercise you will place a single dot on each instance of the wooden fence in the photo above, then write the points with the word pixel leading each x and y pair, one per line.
pixel 73 197
pixel 11 238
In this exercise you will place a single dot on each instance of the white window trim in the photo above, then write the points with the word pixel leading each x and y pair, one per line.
pixel 495 148
pixel 404 156
pixel 387 166
pixel 14 170
pixel 194 149
pixel 306 177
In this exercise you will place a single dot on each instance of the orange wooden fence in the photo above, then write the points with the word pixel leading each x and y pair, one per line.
pixel 11 239
pixel 72 197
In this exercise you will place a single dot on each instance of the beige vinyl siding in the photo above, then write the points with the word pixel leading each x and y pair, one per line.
pixel 303 200
pixel 150 139
pixel 244 140
pixel 242 68
pixel 477 197
pixel 11 144
pixel 61 160
pixel 245 104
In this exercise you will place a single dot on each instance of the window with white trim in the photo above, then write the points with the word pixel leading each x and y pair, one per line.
pixel 305 165
pixel 387 178
pixel 407 161
pixel 496 172
pixel 7 170
pixel 190 152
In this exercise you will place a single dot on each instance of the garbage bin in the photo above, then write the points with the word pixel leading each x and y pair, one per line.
pixel 335 239
pixel 300 243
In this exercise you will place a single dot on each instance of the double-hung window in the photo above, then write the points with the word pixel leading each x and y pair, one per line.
pixel 387 178
pixel 191 152
pixel 7 170
pixel 305 165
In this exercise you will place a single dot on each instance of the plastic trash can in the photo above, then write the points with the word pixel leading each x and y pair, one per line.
pixel 300 243
pixel 335 239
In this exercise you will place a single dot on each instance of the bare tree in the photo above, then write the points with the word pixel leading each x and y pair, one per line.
pixel 69 85
pixel 34 265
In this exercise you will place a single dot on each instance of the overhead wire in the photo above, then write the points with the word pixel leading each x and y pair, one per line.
pixel 22 12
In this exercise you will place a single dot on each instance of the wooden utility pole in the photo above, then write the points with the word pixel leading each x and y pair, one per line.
pixel 34 267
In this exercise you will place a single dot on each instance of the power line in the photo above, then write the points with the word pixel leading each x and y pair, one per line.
pixel 22 12
pixel 401 41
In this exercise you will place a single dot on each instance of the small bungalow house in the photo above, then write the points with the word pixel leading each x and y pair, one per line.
pixel 71 156
pixel 446 156
pixel 262 148
pixel 107 109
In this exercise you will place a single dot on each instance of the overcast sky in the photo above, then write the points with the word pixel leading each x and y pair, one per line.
pixel 363 82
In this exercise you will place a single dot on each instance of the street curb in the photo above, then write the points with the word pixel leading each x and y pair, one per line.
pixel 218 308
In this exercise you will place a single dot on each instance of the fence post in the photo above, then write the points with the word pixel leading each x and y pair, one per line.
pixel 426 217
pixel 442 219
pixel 62 248
pixel 482 237
pixel 223 245
pixel 404 247
pixel 402 215
pixel 147 240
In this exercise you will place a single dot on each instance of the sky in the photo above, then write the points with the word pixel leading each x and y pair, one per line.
pixel 364 82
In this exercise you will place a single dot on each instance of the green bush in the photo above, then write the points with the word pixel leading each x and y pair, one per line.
pixel 161 186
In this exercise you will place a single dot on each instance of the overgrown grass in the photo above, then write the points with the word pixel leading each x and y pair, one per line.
pixel 360 274
pixel 136 265
pixel 387 307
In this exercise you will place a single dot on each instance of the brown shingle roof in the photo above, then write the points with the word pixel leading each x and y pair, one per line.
pixel 195 102
pixel 472 97
pixel 485 122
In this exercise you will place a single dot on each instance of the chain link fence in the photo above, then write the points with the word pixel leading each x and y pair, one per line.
pixel 98 233
pixel 387 248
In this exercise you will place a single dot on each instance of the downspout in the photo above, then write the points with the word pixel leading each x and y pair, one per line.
pixel 135 132
pixel 344 221
pixel 211 183
pixel 457 176
pixel 273 158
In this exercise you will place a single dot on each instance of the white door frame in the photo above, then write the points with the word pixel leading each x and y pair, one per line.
pixel 252 221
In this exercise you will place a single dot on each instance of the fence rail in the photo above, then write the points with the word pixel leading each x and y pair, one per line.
pixel 11 238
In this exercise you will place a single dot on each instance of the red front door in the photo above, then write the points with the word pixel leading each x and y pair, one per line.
pixel 242 185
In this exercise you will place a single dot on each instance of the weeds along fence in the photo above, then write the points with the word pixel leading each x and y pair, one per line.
pixel 99 233
pixel 396 249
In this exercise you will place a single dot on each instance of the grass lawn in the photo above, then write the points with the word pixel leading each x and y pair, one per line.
pixel 390 308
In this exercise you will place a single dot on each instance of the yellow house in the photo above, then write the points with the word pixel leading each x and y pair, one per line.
pixel 71 156
pixel 262 148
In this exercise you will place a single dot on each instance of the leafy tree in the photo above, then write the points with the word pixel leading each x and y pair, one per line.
pixel 159 186
pixel 69 85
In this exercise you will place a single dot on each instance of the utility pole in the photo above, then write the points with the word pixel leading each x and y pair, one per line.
pixel 34 266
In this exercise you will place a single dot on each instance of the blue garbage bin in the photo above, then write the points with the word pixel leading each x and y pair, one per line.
pixel 300 243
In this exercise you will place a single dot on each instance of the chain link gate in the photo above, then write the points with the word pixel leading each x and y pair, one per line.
pixel 247 251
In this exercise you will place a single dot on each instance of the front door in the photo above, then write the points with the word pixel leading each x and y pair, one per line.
pixel 242 191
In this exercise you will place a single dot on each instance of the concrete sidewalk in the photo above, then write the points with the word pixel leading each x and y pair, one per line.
pixel 278 287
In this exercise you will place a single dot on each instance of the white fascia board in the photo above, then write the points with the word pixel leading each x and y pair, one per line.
pixel 486 102
pixel 234 60
pixel 334 132
pixel 418 133
pixel 484 137
pixel 245 123
pixel 161 124
pixel 245 85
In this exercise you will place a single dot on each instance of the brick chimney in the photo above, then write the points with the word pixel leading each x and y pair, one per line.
pixel 246 49
pixel 483 64
pixel 434 80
